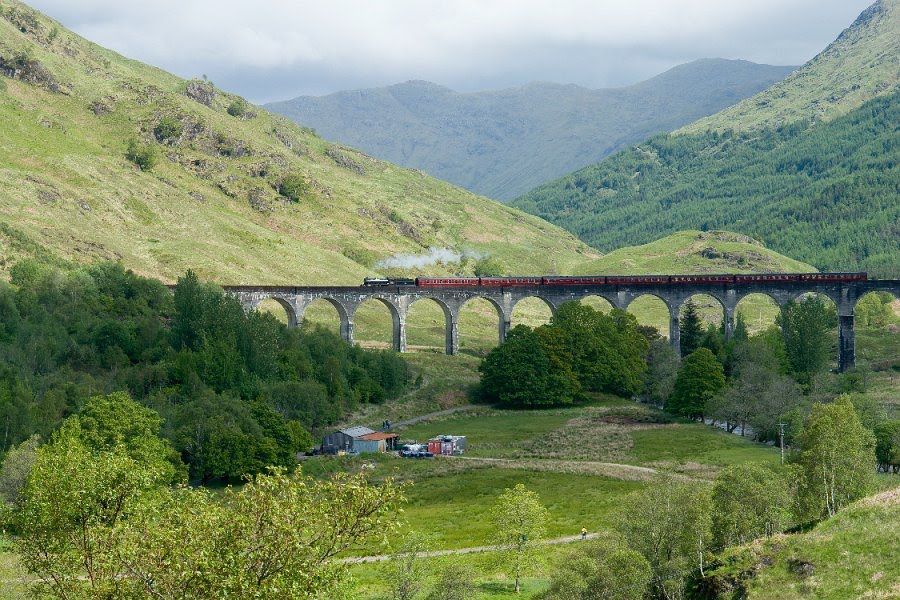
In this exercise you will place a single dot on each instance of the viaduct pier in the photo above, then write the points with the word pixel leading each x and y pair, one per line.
pixel 399 298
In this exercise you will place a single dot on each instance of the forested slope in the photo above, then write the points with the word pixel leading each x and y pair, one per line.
pixel 827 194
pixel 809 167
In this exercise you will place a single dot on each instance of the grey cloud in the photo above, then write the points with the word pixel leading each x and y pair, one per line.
pixel 277 49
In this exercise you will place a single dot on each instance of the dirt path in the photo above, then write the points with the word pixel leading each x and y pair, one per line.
pixel 383 557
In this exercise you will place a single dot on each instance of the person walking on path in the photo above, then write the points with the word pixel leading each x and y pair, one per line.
pixel 584 533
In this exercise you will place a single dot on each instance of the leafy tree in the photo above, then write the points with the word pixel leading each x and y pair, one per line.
pixel 874 310
pixel 168 130
pixel 293 187
pixel 750 500
pixel 806 327
pixel 519 520
pixel 600 569
pixel 691 328
pixel 837 455
pixel 144 156
pixel 405 571
pixel 454 582
pixel 519 373
pixel 662 369
pixel 887 446
pixel 237 108
pixel 489 266
pixel 699 379
pixel 275 537
pixel 71 545
pixel 16 469
pixel 668 523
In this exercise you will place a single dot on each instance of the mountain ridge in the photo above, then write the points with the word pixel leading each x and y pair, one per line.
pixel 502 142
pixel 822 188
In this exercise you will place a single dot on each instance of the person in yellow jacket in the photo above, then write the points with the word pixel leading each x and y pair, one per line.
pixel 584 533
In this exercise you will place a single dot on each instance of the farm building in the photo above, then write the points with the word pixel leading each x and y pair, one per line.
pixel 342 440
pixel 375 442
pixel 447 444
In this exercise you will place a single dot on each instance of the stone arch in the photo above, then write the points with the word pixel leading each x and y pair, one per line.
pixel 875 317
pixel 709 313
pixel 598 302
pixel 473 319
pixel 315 310
pixel 532 315
pixel 437 323
pixel 374 320
pixel 758 310
pixel 644 306
pixel 289 307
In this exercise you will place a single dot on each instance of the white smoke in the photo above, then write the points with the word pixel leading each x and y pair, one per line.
pixel 432 257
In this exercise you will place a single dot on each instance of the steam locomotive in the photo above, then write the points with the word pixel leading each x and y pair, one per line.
pixel 557 280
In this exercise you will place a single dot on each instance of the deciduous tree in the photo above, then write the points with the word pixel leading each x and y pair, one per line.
pixel 519 520
pixel 837 455
pixel 749 501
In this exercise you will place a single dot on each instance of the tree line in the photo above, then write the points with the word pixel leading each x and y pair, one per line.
pixel 765 384
pixel 237 391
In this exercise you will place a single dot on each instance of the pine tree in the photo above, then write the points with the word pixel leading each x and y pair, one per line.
pixel 691 329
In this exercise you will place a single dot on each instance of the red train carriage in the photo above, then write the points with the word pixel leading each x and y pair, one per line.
pixel 446 281
pixel 509 281
pixel 575 280
pixel 833 276
pixel 637 279
pixel 766 277
pixel 719 278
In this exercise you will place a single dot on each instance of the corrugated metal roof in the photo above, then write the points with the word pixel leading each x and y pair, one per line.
pixel 358 431
pixel 378 436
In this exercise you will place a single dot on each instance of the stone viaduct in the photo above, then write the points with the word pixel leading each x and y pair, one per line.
pixel 398 299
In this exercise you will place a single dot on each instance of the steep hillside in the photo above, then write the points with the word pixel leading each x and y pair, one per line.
pixel 238 194
pixel 502 143
pixel 859 65
pixel 825 191
pixel 851 555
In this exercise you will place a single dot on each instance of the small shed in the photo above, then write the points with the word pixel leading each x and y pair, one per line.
pixel 342 440
pixel 376 442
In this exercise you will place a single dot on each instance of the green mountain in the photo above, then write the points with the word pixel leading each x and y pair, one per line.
pixel 825 190
pixel 502 143
pixel 238 194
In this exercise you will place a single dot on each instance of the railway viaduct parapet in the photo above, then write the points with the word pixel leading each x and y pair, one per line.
pixel 399 298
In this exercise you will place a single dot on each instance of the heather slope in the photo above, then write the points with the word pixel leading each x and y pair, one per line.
pixel 216 199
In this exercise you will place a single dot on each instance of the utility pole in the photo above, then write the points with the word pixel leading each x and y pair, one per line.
pixel 781 427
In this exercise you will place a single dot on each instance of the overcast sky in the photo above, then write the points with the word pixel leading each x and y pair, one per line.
pixel 277 49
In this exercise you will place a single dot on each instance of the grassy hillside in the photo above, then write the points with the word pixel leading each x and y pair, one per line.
pixel 822 190
pixel 502 143
pixel 854 554
pixel 694 251
pixel 859 65
pixel 217 201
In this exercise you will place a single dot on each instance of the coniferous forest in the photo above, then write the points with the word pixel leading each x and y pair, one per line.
pixel 237 392
pixel 823 193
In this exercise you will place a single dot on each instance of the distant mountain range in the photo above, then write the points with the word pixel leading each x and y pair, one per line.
pixel 810 166
pixel 502 143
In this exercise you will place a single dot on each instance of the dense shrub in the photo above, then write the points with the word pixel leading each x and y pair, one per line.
pixel 168 129
pixel 293 187
pixel 143 155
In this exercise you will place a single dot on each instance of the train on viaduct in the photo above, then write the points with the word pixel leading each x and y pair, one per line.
pixel 451 293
